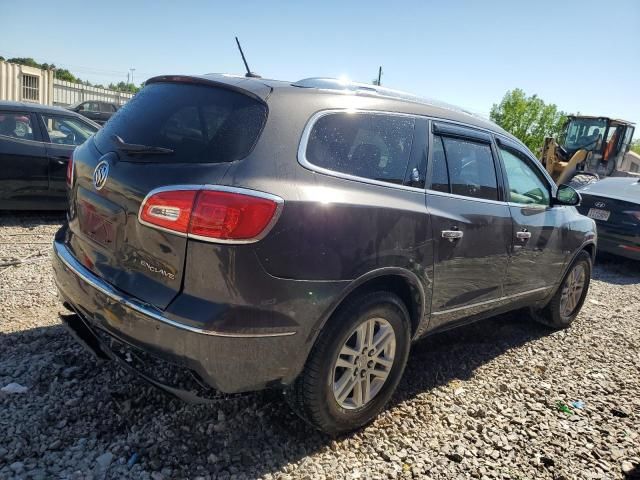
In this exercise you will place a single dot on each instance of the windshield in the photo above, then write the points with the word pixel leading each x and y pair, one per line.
pixel 584 133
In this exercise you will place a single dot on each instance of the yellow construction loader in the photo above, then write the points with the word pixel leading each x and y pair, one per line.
pixel 588 149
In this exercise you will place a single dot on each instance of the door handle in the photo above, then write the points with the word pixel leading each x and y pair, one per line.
pixel 523 235
pixel 61 159
pixel 452 235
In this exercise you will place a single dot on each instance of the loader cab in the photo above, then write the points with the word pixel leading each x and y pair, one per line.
pixel 607 139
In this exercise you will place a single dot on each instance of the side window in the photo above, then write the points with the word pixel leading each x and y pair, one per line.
pixel 67 130
pixel 525 186
pixel 106 108
pixel 374 146
pixel 471 169
pixel 16 125
pixel 439 174
pixel 91 107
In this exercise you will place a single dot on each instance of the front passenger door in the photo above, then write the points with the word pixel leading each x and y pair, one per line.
pixel 537 259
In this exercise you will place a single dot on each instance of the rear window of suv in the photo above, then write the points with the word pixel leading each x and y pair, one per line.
pixel 367 145
pixel 200 123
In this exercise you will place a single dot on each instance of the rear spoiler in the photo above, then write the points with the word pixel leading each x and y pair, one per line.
pixel 251 87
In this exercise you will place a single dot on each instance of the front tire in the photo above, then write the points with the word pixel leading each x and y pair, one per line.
pixel 567 302
pixel 355 365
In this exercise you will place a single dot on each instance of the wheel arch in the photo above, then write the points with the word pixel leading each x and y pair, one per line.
pixel 590 248
pixel 400 281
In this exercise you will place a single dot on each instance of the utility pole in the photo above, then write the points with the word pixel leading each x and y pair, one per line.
pixel 132 70
pixel 379 75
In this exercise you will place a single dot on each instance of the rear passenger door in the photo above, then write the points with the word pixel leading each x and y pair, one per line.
pixel 471 223
pixel 537 258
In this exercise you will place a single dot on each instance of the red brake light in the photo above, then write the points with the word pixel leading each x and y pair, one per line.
pixel 70 171
pixel 230 216
pixel 634 213
pixel 169 209
pixel 222 214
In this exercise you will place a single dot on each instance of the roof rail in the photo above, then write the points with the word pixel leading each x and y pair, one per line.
pixel 325 83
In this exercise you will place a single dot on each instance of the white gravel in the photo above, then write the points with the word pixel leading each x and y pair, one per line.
pixel 478 402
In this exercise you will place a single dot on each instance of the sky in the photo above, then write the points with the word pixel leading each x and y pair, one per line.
pixel 582 55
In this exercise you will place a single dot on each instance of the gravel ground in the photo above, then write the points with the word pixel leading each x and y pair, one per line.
pixel 478 402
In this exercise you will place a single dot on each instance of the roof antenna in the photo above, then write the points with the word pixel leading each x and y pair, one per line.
pixel 379 76
pixel 246 65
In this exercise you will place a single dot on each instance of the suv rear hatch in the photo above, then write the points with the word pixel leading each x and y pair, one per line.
pixel 194 130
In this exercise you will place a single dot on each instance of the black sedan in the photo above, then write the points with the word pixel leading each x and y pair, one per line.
pixel 614 203
pixel 95 110
pixel 36 142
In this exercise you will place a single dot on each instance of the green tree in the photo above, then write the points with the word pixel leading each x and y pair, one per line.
pixel 124 87
pixel 29 62
pixel 635 146
pixel 528 118
pixel 66 75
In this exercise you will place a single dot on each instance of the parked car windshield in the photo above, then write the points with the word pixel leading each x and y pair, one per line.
pixel 199 123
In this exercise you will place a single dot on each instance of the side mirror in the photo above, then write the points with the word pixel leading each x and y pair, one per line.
pixel 567 195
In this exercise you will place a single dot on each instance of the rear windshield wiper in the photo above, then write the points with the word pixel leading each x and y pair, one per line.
pixel 136 149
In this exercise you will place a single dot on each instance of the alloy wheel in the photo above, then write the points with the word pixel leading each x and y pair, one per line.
pixel 572 290
pixel 363 363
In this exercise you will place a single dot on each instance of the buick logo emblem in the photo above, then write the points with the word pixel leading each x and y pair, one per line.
pixel 100 175
pixel 601 204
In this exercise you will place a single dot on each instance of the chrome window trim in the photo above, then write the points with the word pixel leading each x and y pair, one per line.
pixel 536 206
pixel 536 162
pixel 219 188
pixel 463 197
pixel 306 133
pixel 9 137
pixel 494 300
pixel 65 256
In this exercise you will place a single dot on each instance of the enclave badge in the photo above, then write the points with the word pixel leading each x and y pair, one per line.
pixel 100 174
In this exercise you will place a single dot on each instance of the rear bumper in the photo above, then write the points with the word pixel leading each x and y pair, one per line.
pixel 227 361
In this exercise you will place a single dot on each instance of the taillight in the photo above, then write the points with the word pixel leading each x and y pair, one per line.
pixel 223 214
pixel 70 171
pixel 170 209
pixel 634 213
pixel 230 216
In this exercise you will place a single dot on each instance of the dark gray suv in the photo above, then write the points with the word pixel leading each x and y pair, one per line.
pixel 253 233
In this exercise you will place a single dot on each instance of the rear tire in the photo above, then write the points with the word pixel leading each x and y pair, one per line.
pixel 355 365
pixel 567 302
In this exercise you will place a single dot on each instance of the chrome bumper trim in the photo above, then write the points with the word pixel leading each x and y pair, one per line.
pixel 494 300
pixel 105 288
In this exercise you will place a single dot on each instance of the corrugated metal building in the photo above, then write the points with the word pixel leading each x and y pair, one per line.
pixel 21 83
